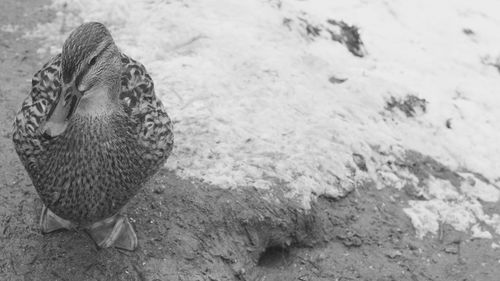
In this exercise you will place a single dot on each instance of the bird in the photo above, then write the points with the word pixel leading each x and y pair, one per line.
pixel 90 134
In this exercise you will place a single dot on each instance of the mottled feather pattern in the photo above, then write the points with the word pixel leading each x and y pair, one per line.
pixel 46 87
pixel 138 93
pixel 97 165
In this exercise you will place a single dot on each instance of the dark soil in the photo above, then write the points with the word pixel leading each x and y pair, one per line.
pixel 410 105
pixel 191 231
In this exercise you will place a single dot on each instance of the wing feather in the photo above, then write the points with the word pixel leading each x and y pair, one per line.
pixel 155 129
pixel 44 91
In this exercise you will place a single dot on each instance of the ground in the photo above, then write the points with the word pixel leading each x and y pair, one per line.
pixel 190 230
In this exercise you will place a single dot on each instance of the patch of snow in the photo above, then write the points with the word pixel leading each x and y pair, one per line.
pixel 450 205
pixel 424 217
pixel 479 189
pixel 248 87
pixel 427 215
pixel 478 232
pixel 442 190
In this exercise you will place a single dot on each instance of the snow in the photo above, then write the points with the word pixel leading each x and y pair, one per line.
pixel 249 91
pixel 454 206
pixel 477 232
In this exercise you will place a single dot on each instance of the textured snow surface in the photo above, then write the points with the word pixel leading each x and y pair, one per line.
pixel 249 90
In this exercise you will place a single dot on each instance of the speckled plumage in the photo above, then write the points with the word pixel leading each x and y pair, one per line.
pixel 91 170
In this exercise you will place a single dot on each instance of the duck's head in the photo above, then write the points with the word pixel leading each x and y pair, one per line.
pixel 90 74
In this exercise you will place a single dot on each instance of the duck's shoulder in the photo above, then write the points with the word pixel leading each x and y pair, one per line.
pixel 45 88
pixel 137 85
pixel 141 103
pixel 46 83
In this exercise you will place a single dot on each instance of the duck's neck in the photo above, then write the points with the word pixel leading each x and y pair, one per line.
pixel 99 102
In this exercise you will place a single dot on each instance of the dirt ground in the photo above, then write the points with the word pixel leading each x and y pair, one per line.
pixel 190 231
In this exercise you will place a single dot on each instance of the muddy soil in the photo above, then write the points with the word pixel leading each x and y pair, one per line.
pixel 191 231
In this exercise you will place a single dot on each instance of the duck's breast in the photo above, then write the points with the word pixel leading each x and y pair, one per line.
pixel 93 169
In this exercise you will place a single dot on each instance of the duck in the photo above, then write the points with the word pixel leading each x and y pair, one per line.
pixel 90 134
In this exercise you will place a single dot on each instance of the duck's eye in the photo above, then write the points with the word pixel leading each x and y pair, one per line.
pixel 93 60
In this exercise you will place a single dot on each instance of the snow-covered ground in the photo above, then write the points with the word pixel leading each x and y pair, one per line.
pixel 249 89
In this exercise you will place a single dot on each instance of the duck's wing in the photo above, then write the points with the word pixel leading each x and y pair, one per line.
pixel 155 129
pixel 45 88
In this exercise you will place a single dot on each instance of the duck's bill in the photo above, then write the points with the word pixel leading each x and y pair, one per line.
pixel 58 118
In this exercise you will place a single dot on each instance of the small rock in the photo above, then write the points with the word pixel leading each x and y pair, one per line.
pixel 239 270
pixel 468 31
pixel 303 278
pixel 393 254
pixel 350 239
pixel 359 160
pixel 448 123
pixel 451 249
pixel 159 190
pixel 335 80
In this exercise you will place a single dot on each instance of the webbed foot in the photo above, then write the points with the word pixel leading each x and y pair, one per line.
pixel 116 232
pixel 50 222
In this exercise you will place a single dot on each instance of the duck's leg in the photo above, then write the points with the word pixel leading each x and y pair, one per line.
pixel 115 231
pixel 50 222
